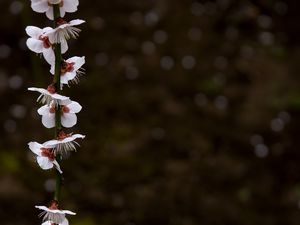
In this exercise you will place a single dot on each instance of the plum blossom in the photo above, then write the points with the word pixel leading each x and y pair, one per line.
pixel 68 113
pixel 44 155
pixel 70 70
pixel 53 214
pixel 39 42
pixel 64 31
pixel 65 143
pixel 48 95
pixel 45 6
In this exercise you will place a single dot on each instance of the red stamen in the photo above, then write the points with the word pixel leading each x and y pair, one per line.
pixel 51 89
pixel 53 205
pixel 60 21
pixel 45 40
pixel 62 135
pixel 47 152
pixel 52 109
pixel 67 67
pixel 65 109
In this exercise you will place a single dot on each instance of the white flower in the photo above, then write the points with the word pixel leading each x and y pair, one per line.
pixel 64 143
pixel 39 43
pixel 45 6
pixel 68 113
pixel 65 31
pixel 48 95
pixel 44 155
pixel 64 222
pixel 70 69
pixel 53 214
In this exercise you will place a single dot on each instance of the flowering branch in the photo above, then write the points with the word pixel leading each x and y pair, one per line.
pixel 58 111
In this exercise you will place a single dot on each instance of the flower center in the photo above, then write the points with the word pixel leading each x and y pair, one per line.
pixel 62 135
pixel 67 67
pixel 65 109
pixel 53 205
pixel 60 21
pixel 46 152
pixel 52 109
pixel 45 40
pixel 51 89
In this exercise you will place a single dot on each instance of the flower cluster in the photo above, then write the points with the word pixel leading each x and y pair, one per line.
pixel 57 111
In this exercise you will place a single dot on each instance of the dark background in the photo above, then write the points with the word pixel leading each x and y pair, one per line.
pixel 191 111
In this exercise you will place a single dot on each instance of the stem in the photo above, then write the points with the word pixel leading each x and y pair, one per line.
pixel 56 81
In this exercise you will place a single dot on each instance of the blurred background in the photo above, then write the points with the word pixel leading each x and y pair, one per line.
pixel 191 111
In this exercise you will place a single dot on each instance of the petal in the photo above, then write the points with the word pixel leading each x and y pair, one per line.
pixel 70 5
pixel 47 223
pixel 34 45
pixel 39 6
pixel 35 148
pixel 74 107
pixel 33 31
pixel 49 55
pixel 62 11
pixel 64 46
pixel 68 119
pixel 52 69
pixel 43 110
pixel 48 120
pixel 76 22
pixel 44 162
pixel 47 30
pixel 51 143
pixel 44 208
pixel 68 212
pixel 55 163
pixel 65 222
pixel 49 13
pixel 79 61
pixel 64 79
pixel 70 75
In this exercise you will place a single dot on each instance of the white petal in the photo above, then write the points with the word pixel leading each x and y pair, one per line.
pixel 49 13
pixel 49 55
pixel 52 143
pixel 59 97
pixel 44 162
pixel 68 212
pixel 42 208
pixel 64 47
pixel 65 222
pixel 52 69
pixel 72 138
pixel 47 223
pixel 47 30
pixel 43 110
pixel 68 119
pixel 76 22
pixel 74 107
pixel 70 5
pixel 48 120
pixel 64 79
pixel 39 6
pixel 35 148
pixel 35 45
pixel 33 31
pixel 62 11
pixel 79 61
pixel 57 166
